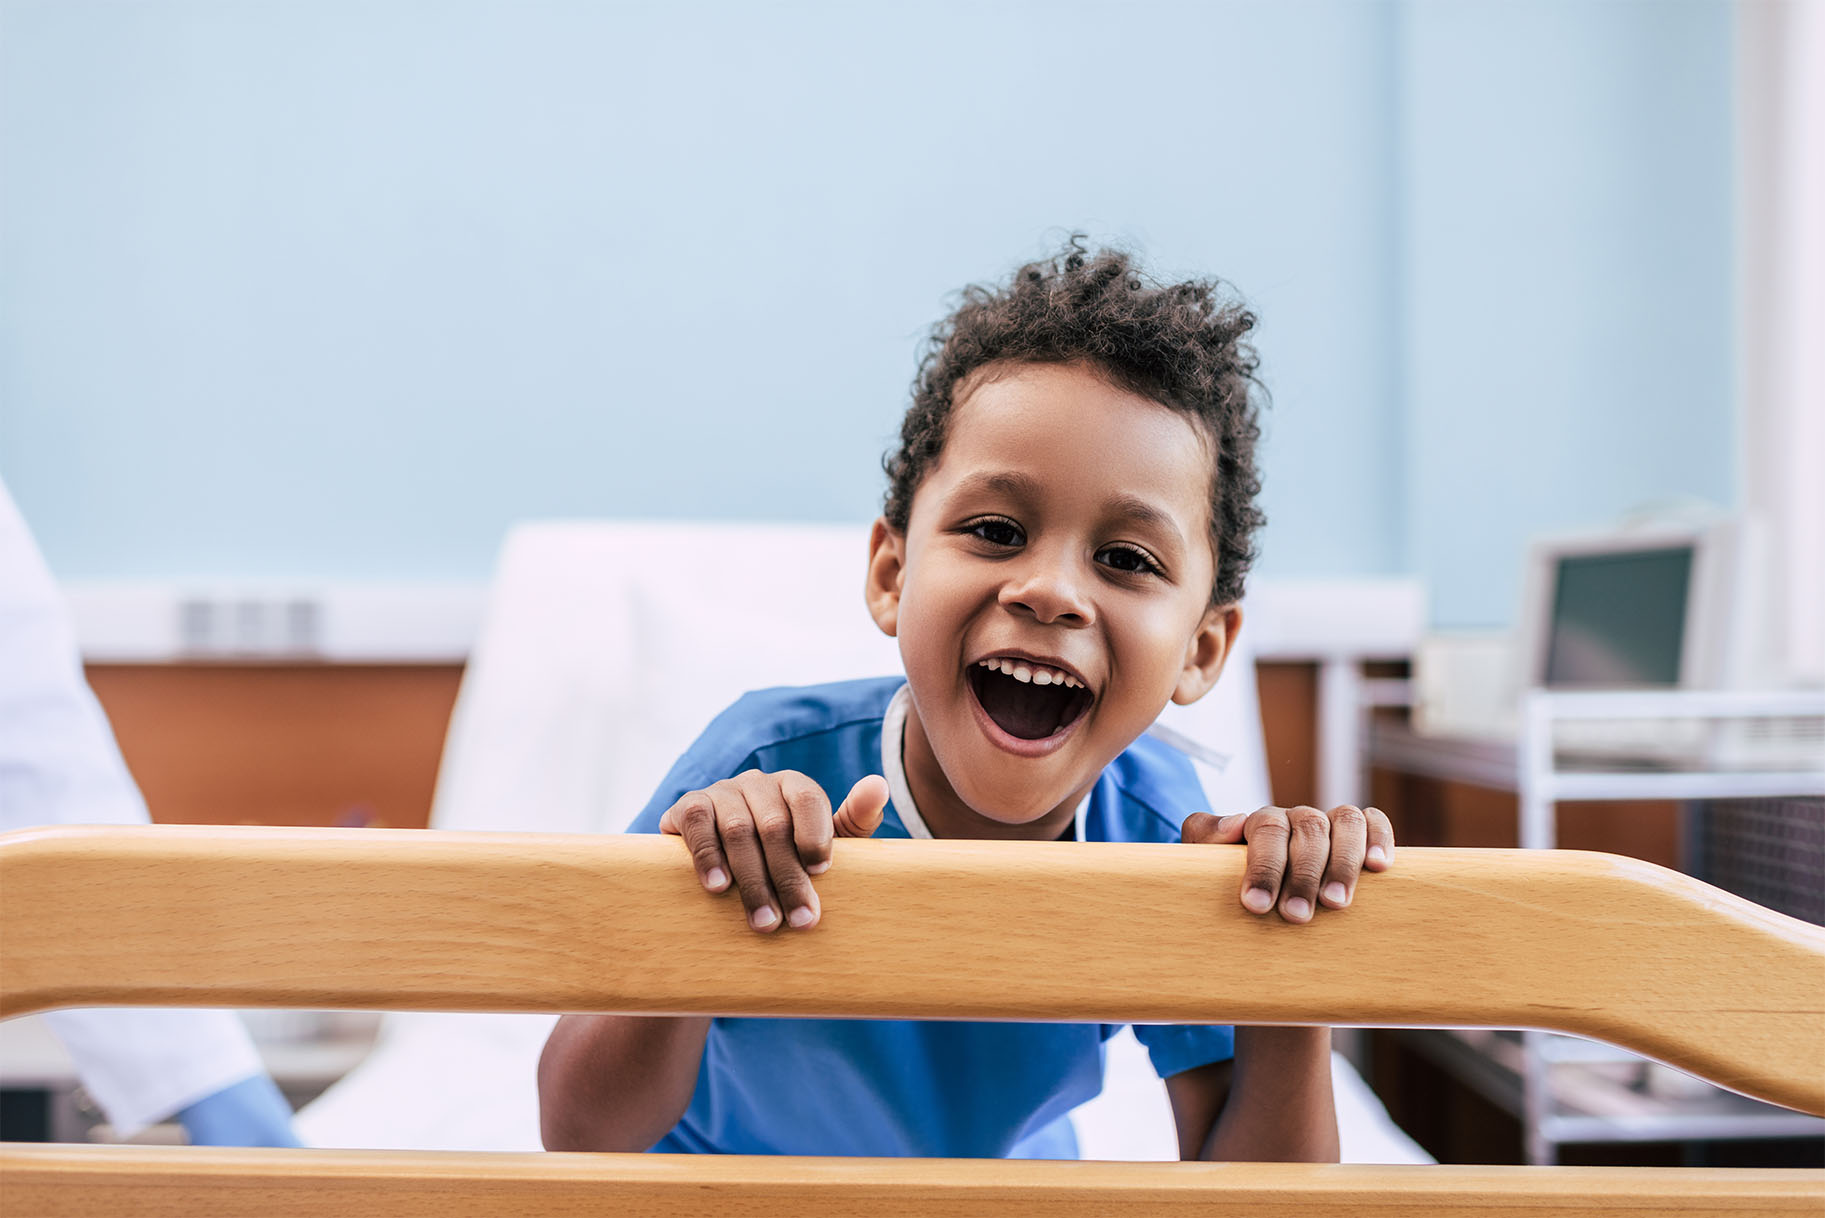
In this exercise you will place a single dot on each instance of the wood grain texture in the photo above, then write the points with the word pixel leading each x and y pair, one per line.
pixel 197 1182
pixel 1591 944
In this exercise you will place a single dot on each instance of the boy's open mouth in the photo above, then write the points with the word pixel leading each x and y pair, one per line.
pixel 1027 709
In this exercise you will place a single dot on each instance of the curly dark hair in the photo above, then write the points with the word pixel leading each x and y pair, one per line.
pixel 1182 345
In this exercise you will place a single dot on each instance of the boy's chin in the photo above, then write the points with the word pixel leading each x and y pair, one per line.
pixel 1015 806
pixel 1011 820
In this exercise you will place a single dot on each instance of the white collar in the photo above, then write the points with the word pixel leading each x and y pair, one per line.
pixel 893 768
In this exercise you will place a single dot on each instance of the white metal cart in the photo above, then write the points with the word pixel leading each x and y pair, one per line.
pixel 1727 759
pixel 1564 1089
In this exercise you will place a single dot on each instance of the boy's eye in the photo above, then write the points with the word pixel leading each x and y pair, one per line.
pixel 1130 560
pixel 997 531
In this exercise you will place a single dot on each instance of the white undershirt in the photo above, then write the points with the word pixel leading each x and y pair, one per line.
pixel 893 768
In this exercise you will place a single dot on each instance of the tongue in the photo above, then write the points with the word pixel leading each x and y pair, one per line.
pixel 1030 712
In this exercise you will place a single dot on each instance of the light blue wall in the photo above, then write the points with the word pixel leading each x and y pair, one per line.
pixel 1568 233
pixel 342 289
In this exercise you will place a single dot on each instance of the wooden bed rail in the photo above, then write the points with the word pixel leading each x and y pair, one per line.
pixel 206 1182
pixel 1592 944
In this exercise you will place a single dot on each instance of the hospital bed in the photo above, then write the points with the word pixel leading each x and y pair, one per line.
pixel 606 646
pixel 1590 944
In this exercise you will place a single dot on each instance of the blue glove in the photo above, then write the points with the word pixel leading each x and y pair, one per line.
pixel 248 1113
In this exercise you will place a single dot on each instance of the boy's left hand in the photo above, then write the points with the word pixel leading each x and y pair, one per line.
pixel 1298 857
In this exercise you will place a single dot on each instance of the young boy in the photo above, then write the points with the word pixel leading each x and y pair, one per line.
pixel 1067 527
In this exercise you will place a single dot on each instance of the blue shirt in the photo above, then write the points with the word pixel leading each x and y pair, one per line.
pixel 943 1089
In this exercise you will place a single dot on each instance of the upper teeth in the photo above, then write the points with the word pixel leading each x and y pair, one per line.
pixel 1026 670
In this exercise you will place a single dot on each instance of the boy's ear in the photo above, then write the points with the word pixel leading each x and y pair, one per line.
pixel 1208 649
pixel 886 570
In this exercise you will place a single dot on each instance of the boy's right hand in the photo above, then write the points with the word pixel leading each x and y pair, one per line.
pixel 772 832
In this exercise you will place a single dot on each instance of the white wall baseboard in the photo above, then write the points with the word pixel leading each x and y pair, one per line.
pixel 1366 618
pixel 353 622
pixel 343 622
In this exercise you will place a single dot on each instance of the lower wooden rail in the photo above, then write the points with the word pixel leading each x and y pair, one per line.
pixel 166 1182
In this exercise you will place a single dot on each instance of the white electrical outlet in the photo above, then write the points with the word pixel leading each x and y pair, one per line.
pixel 249 626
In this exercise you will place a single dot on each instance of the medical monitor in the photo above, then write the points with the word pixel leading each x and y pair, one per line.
pixel 1655 607
pixel 1618 620
pixel 1664 606
pixel 1660 607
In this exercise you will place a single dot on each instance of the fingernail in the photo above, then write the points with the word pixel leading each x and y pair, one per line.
pixel 1377 854
pixel 716 881
pixel 1258 900
pixel 1333 892
pixel 763 917
pixel 1299 908
pixel 818 868
pixel 802 916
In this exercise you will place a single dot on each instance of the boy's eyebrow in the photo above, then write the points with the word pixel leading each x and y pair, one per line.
pixel 1134 508
pixel 1125 507
pixel 1001 482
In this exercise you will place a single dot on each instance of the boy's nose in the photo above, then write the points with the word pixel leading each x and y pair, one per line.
pixel 1051 590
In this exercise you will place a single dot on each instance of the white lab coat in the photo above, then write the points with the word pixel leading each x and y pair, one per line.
pixel 59 765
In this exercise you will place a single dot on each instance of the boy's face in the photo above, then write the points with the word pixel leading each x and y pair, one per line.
pixel 1063 535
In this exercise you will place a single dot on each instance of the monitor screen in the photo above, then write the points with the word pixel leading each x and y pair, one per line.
pixel 1619 619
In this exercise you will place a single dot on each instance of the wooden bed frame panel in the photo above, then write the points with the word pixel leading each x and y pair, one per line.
pixel 1591 944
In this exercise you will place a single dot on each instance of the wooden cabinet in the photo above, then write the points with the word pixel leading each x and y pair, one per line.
pixel 281 744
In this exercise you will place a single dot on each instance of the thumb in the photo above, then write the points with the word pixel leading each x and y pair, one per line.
pixel 1219 830
pixel 863 808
